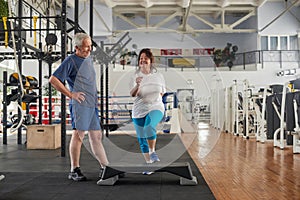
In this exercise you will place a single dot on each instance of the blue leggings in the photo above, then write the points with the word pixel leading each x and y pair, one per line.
pixel 146 128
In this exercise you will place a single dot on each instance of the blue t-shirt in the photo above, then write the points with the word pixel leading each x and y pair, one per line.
pixel 80 76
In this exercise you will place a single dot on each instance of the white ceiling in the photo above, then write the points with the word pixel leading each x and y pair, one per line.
pixel 181 3
pixel 212 13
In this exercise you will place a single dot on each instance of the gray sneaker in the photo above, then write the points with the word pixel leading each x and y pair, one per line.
pixel 147 173
pixel 154 157
pixel 76 175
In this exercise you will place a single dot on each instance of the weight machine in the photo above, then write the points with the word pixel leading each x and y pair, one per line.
pixel 260 110
pixel 243 115
pixel 289 117
pixel 186 102
pixel 278 102
pixel 296 133
pixel 237 109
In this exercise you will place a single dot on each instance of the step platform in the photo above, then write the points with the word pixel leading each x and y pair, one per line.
pixel 112 172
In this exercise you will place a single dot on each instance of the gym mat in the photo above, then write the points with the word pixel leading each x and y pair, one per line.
pixel 42 174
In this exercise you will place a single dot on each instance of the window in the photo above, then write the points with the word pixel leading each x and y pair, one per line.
pixel 273 43
pixel 283 43
pixel 294 42
pixel 279 42
pixel 264 43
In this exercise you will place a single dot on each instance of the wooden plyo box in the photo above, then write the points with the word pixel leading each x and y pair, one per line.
pixel 44 136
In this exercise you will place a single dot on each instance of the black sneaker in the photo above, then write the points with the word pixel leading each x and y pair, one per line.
pixel 76 175
pixel 101 172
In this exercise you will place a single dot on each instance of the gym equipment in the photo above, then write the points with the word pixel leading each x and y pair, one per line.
pixel 13 24
pixel 292 115
pixel 13 96
pixel 186 101
pixel 249 114
pixel 217 99
pixel 286 106
pixel 228 110
pixel 273 121
pixel 111 172
pixel 51 39
pixel 26 119
pixel 119 114
pixel 279 107
pixel 241 117
pixel 260 109
pixel 32 81
pixel 171 118
pixel 286 111
pixel 6 27
pixel 245 102
pixel 237 108
pixel 296 134
pixel 17 77
pixel 14 78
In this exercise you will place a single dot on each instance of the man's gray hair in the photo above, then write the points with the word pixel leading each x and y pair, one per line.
pixel 79 37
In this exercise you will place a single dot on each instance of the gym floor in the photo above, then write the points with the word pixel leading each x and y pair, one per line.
pixel 42 174
pixel 227 167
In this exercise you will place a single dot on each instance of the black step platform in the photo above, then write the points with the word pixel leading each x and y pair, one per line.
pixel 182 169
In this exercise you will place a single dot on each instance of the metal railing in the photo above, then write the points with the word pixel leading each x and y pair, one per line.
pixel 242 61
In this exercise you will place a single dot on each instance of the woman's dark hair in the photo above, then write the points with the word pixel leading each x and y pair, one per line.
pixel 148 53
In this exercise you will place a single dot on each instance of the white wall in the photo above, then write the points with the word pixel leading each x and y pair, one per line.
pixel 244 41
pixel 286 24
pixel 102 15
pixel 203 81
pixel 159 40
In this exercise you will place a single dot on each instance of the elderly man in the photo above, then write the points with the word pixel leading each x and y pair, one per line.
pixel 78 70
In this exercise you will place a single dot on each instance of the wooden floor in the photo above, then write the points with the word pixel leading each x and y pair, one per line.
pixel 237 168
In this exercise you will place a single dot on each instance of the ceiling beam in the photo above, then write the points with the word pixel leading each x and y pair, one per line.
pixel 223 3
pixel 154 30
pixel 147 3
pixel 102 20
pixel 186 16
pixel 127 20
pixel 203 20
pixel 223 19
pixel 127 9
pixel 147 17
pixel 261 2
pixel 166 19
pixel 168 9
pixel 184 3
pixel 109 3
pixel 252 13
pixel 200 10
